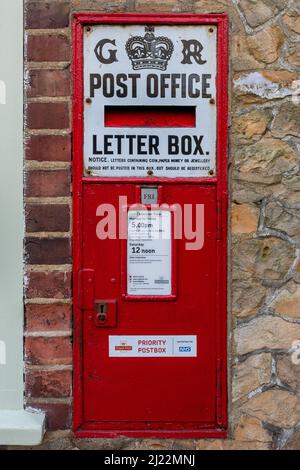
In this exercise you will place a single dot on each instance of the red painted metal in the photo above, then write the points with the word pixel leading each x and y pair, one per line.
pixel 93 394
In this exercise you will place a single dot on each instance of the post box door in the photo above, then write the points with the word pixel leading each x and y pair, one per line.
pixel 150 126
pixel 147 389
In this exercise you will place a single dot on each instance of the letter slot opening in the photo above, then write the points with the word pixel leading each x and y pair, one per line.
pixel 150 116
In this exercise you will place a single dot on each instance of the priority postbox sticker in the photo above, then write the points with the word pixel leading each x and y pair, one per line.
pixel 150 100
pixel 153 346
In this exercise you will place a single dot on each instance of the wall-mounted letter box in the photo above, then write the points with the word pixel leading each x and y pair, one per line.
pixel 149 224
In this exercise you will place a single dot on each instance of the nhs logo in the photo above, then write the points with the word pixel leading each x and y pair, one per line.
pixel 185 345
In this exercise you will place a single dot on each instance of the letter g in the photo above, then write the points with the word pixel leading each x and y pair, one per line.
pixel 112 52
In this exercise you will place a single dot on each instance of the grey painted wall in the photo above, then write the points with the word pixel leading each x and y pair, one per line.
pixel 11 211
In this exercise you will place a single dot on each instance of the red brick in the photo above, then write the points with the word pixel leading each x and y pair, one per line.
pixel 48 317
pixel 47 218
pixel 47 183
pixel 47 250
pixel 47 15
pixel 58 415
pixel 48 48
pixel 48 83
pixel 56 383
pixel 48 350
pixel 47 115
pixel 54 284
pixel 47 148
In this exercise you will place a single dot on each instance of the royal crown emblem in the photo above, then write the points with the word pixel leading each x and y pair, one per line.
pixel 149 52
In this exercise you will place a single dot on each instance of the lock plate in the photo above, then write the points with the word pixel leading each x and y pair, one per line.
pixel 105 313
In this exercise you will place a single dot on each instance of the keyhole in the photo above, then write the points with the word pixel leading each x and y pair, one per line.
pixel 102 312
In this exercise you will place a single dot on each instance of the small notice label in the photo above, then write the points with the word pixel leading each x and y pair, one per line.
pixel 153 346
pixel 149 252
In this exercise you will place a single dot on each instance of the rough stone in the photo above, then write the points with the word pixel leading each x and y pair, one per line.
pixel 184 444
pixel 287 302
pixel 297 272
pixel 153 444
pixel 292 182
pixel 250 127
pixel 258 12
pixel 294 7
pixel 288 371
pixel 287 121
pixel 265 161
pixel 251 374
pixel 293 22
pixel 268 258
pixel 247 297
pixel 248 192
pixel 277 407
pixel 229 444
pixel 164 6
pixel 282 218
pixel 251 429
pixel 53 440
pixel 244 218
pixel 294 55
pixel 266 332
pixel 265 44
pixel 211 6
pixel 294 442
pixel 105 444
pixel 241 57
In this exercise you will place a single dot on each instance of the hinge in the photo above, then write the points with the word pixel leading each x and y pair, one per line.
pixel 86 292
pixel 219 220
pixel 219 416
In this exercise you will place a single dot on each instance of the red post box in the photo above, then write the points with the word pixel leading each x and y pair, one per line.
pixel 150 224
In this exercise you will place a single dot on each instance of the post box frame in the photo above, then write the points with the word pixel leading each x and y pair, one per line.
pixel 219 180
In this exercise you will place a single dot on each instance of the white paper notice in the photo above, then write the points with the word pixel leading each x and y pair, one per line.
pixel 153 346
pixel 149 252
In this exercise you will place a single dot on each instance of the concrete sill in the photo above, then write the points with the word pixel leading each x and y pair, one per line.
pixel 21 427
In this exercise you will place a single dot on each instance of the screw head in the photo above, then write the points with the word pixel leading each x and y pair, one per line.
pixel 211 30
pixel 150 172
pixel 212 101
pixel 88 100
pixel 211 172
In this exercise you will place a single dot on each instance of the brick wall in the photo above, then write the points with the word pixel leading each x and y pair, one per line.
pixel 48 334
pixel 264 159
